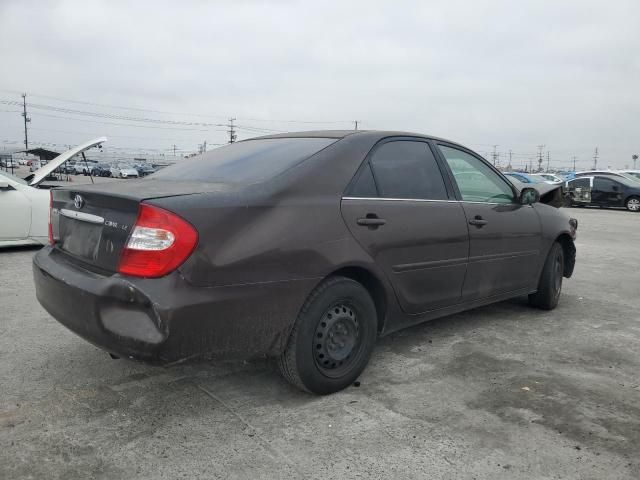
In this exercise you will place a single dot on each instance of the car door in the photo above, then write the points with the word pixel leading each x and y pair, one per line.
pixel 15 211
pixel 606 192
pixel 580 190
pixel 402 211
pixel 504 235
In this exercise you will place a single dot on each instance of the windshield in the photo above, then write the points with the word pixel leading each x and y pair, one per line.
pixel 13 178
pixel 245 162
pixel 634 177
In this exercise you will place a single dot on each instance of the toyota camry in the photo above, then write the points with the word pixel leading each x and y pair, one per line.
pixel 304 247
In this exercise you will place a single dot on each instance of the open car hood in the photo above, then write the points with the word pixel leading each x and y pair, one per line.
pixel 551 194
pixel 43 172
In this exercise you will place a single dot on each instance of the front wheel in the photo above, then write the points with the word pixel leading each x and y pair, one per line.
pixel 633 204
pixel 332 339
pixel 550 283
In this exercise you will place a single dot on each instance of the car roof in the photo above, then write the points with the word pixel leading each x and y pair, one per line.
pixel 369 134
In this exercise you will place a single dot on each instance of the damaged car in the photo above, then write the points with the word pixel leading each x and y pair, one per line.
pixel 304 247
pixel 24 203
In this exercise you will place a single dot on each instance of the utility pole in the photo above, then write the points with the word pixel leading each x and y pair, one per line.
pixel 26 120
pixel 510 167
pixel 174 149
pixel 232 132
pixel 356 124
pixel 540 148
pixel 204 147
pixel 595 159
pixel 574 163
pixel 547 161
pixel 494 155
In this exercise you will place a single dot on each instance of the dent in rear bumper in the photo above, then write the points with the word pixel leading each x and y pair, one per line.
pixel 167 320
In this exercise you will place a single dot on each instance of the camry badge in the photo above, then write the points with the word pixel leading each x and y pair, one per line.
pixel 78 201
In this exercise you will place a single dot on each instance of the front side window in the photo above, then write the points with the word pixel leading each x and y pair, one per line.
pixel 476 181
pixel 407 169
pixel 604 184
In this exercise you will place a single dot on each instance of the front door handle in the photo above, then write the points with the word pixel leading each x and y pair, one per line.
pixel 371 221
pixel 478 221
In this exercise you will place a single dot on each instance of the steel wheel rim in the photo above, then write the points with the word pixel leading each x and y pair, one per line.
pixel 337 340
pixel 558 272
pixel 633 204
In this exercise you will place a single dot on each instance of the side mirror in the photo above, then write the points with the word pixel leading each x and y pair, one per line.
pixel 529 195
pixel 615 188
pixel 5 186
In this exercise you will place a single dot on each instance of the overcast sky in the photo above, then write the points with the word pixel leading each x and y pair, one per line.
pixel 517 74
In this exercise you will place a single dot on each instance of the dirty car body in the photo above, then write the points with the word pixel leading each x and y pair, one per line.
pixel 276 216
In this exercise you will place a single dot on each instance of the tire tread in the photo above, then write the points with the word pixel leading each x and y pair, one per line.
pixel 287 363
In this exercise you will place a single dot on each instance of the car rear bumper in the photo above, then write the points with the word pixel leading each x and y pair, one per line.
pixel 166 320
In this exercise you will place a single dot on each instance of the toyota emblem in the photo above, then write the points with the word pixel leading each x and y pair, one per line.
pixel 78 201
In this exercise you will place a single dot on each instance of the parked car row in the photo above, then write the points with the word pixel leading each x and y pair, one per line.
pixel 604 190
pixel 98 169
pixel 8 163
pixel 549 178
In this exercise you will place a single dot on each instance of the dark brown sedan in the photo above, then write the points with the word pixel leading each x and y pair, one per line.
pixel 304 247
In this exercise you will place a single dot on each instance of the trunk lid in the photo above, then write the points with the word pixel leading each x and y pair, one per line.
pixel 43 172
pixel 92 223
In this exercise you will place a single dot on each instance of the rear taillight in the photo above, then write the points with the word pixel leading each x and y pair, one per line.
pixel 159 242
pixel 51 240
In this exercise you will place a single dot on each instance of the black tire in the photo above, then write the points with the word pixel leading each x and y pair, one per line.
pixel 633 204
pixel 332 339
pixel 550 283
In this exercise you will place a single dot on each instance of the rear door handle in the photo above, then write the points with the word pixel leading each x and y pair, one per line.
pixel 478 221
pixel 371 221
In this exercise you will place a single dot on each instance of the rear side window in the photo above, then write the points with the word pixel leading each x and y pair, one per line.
pixel 579 182
pixel 245 162
pixel 364 186
pixel 407 169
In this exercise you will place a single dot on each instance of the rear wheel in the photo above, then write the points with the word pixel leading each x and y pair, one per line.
pixel 550 283
pixel 332 339
pixel 633 204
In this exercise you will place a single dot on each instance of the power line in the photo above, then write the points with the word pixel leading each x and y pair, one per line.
pixel 165 112
pixel 111 116
pixel 128 124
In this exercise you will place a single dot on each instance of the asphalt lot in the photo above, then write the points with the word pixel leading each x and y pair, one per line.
pixel 501 392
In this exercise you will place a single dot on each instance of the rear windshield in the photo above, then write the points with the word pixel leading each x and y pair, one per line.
pixel 245 162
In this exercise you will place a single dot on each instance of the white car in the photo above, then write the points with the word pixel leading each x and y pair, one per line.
pixel 84 168
pixel 24 208
pixel 36 164
pixel 124 170
pixel 9 163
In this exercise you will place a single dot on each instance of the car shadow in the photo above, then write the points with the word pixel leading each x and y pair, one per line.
pixel 259 377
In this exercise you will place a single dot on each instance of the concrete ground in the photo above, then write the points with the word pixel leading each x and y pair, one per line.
pixel 501 392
